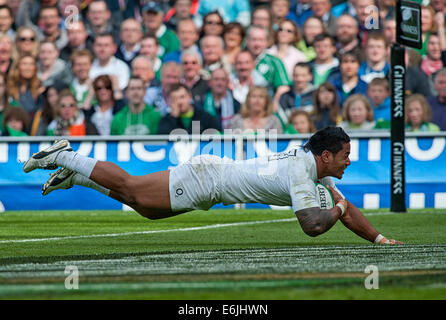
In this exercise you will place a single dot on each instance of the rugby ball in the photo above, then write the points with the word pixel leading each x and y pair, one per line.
pixel 324 197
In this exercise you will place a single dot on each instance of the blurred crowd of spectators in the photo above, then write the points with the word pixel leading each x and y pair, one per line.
pixel 102 67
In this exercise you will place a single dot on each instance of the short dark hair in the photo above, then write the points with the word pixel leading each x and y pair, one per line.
pixel 105 34
pixel 305 65
pixel 377 36
pixel 380 82
pixel 137 78
pixel 47 7
pixel 322 36
pixel 178 86
pixel 104 1
pixel 330 138
pixel 234 26
pixel 351 54
pixel 216 12
pixel 105 79
pixel 81 53
pixel 151 36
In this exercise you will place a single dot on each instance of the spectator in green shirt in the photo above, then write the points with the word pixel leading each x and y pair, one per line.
pixel 271 68
pixel 137 118
pixel 428 27
pixel 153 17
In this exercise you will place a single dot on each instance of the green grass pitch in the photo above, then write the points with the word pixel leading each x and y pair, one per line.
pixel 219 254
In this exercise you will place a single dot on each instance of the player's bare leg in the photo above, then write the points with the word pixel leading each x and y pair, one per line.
pixel 142 193
pixel 148 194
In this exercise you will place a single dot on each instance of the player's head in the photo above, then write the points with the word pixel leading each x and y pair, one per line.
pixel 330 138
pixel 331 147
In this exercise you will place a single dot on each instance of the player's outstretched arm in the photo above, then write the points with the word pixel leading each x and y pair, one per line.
pixel 354 220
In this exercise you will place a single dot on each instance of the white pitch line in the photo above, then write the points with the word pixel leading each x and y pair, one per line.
pixel 212 226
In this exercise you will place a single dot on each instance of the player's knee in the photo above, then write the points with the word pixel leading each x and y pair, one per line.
pixel 129 199
pixel 149 214
pixel 127 193
pixel 152 214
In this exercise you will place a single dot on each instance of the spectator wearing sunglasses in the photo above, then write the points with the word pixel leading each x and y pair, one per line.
pixel 70 120
pixel 213 24
pixel 109 101
pixel 26 42
pixel 284 48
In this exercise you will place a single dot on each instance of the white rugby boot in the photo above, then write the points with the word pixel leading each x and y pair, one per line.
pixel 46 159
pixel 61 179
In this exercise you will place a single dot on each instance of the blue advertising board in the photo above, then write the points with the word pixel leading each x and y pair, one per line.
pixel 20 191
pixel 365 182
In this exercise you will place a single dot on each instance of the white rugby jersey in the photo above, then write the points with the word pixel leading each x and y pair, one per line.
pixel 282 179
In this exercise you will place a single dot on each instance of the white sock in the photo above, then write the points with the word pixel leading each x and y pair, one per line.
pixel 76 162
pixel 81 180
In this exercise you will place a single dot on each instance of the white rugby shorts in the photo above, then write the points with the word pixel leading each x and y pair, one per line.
pixel 196 184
